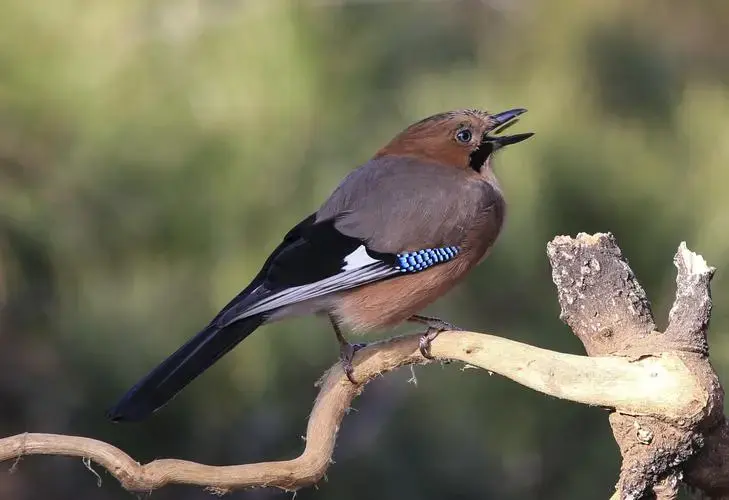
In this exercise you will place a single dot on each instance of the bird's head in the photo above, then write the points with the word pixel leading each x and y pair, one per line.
pixel 463 139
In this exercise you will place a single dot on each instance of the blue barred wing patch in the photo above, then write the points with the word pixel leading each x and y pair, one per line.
pixel 413 262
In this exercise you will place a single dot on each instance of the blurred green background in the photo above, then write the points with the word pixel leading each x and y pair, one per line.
pixel 153 152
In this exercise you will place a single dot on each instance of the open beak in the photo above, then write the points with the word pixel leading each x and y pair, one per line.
pixel 502 121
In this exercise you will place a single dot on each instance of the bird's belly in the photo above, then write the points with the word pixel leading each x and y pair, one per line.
pixel 385 304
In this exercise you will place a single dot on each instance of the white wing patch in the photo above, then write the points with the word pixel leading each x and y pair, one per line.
pixel 358 259
pixel 350 276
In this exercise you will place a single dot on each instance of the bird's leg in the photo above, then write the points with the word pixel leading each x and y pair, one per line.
pixel 435 326
pixel 346 350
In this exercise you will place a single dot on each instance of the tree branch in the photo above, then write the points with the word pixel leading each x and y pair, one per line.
pixel 608 310
pixel 660 385
pixel 665 397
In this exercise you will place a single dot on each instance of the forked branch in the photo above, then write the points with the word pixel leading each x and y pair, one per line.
pixel 665 397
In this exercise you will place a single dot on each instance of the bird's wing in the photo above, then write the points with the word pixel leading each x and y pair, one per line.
pixel 389 216
pixel 396 204
pixel 316 259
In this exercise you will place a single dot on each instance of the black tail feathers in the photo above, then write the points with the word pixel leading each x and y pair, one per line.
pixel 181 368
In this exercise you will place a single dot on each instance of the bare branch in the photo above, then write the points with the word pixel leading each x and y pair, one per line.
pixel 667 402
pixel 608 310
pixel 600 297
pixel 691 311
pixel 656 385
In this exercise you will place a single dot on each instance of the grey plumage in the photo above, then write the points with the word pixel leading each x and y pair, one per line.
pixel 397 203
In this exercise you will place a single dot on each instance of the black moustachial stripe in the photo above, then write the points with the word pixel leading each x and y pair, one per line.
pixel 478 156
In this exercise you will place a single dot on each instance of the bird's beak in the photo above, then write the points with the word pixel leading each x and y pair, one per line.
pixel 502 121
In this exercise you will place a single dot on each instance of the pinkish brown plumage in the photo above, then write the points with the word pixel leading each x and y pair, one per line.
pixel 399 232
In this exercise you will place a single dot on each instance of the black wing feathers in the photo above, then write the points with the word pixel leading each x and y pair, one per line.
pixel 293 235
pixel 317 254
pixel 308 263
pixel 181 368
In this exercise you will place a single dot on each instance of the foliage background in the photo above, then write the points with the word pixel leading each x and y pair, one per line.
pixel 153 152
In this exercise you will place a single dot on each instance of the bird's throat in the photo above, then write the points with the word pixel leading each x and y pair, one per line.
pixel 477 158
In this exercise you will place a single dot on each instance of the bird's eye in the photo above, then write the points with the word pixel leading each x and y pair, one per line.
pixel 464 136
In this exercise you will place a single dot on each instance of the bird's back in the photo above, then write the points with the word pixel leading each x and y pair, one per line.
pixel 398 203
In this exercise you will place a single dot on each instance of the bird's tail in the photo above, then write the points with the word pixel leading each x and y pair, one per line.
pixel 181 368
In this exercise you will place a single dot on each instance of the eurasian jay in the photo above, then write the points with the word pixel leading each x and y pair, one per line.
pixel 396 234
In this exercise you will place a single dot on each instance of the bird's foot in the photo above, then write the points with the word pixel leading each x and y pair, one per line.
pixel 346 355
pixel 346 350
pixel 435 326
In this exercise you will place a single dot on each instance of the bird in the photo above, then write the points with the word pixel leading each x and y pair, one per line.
pixel 398 232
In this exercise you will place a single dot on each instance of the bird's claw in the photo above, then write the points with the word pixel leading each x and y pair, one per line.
pixel 346 355
pixel 435 326
pixel 426 339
